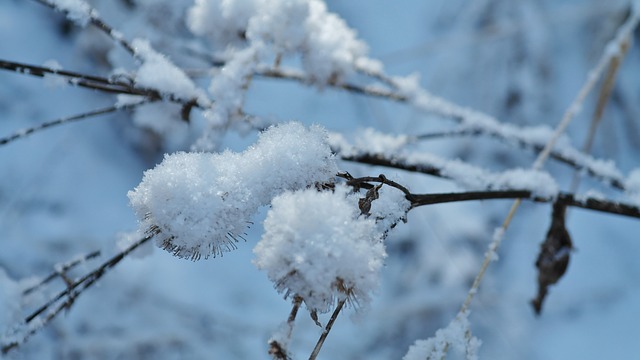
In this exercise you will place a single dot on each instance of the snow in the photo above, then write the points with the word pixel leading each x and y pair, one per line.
pixel 201 203
pixel 537 136
pixel 329 49
pixel 63 190
pixel 633 186
pixel 77 11
pixel 224 22
pixel 377 142
pixel 390 208
pixel 456 336
pixel 159 73
pixel 468 176
pixel 317 245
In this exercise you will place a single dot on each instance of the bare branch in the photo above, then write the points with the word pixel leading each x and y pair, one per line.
pixel 99 24
pixel 327 329
pixel 62 269
pixel 566 199
pixel 96 82
pixel 64 120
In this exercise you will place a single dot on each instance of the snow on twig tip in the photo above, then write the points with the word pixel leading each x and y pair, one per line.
pixel 77 11
pixel 200 203
pixel 317 246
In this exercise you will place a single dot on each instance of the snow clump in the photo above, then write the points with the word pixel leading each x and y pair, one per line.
pixel 318 246
pixel 457 336
pixel 200 203
pixel 329 49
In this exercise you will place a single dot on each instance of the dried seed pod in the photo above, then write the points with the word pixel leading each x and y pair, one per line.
pixel 553 259
pixel 365 203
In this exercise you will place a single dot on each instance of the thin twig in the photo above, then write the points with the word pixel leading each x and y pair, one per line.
pixel 278 348
pixel 99 24
pixel 64 120
pixel 572 110
pixel 96 82
pixel 61 270
pixel 460 115
pixel 72 291
pixel 327 329
pixel 78 79
pixel 603 99
pixel 90 278
pixel 567 199
pixel 580 164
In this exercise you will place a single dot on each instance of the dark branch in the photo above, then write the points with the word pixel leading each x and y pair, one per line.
pixel 100 25
pixel 566 199
pixel 89 279
pixel 327 329
pixel 61 270
pixel 381 160
pixel 64 120
pixel 74 289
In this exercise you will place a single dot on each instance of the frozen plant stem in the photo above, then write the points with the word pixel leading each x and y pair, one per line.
pixel 607 56
pixel 64 120
pixel 603 98
pixel 326 330
pixel 98 23
pixel 61 271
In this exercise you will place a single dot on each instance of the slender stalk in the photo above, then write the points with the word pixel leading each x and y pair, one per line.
pixel 623 32
pixel 63 269
pixel 326 330
pixel 603 98
pixel 100 25
pixel 64 120
pixel 90 278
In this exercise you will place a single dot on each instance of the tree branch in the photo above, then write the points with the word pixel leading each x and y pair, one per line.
pixel 99 24
pixel 64 120
pixel 327 329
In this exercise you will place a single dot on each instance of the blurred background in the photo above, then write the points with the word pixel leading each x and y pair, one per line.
pixel 63 190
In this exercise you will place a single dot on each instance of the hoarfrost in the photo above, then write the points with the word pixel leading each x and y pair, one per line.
pixel 159 73
pixel 77 11
pixel 329 49
pixel 317 246
pixel 201 202
pixel 456 336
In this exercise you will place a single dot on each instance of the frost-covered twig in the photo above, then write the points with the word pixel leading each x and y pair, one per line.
pixel 73 78
pixel 82 13
pixel 580 161
pixel 566 199
pixel 95 82
pixel 64 120
pixel 327 329
pixel 610 51
pixel 279 342
pixel 89 279
pixel 60 270
pixel 34 322
pixel 603 98
pixel 465 175
pixel 156 71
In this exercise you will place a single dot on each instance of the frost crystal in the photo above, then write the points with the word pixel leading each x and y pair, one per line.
pixel 77 11
pixel 456 336
pixel 159 73
pixel 199 203
pixel 317 246
pixel 329 48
